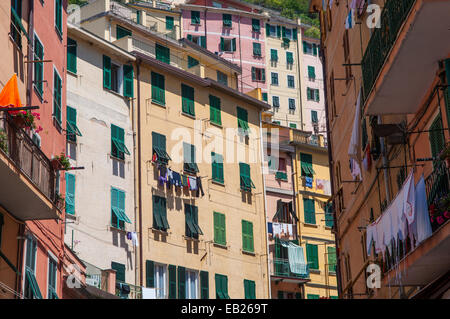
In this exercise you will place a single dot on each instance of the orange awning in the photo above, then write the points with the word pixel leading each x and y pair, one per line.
pixel 9 97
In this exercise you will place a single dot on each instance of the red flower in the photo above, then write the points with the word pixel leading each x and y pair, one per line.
pixel 440 220
pixel 447 214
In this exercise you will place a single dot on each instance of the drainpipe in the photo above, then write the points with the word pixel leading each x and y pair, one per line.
pixel 136 213
pixel 300 80
pixel 265 204
pixel 139 168
pixel 385 163
pixel 240 59
pixel 294 205
pixel 330 164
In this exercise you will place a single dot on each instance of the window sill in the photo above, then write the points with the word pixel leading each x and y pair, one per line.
pixel 57 124
pixel 191 238
pixel 314 271
pixel 216 124
pixel 117 158
pixel 158 103
pixel 70 216
pixel 112 228
pixel 196 24
pixel 218 183
pixel 311 225
pixel 188 115
pixel 115 93
pixel 220 246
pixel 162 232
pixel 250 253
pixel 72 73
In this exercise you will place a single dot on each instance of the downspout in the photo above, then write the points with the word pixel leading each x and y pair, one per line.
pixel 300 80
pixel 139 169
pixel 265 204
pixel 385 164
pixel 240 59
pixel 136 213
pixel 294 205
pixel 206 28
pixel 330 164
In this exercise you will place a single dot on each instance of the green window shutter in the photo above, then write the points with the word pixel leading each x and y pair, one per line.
pixel 71 125
pixel 217 167
pixel 292 125
pixel 312 256
pixel 273 55
pixel 187 98
pixel 203 41
pixel 316 95
pixel 71 55
pixel 195 17
pixel 58 15
pixel 120 271
pixel 242 117
pixel 256 49
pixel 181 282
pixel 294 34
pixel 249 289
pixel 289 58
pixel 256 25
pixel 311 72
pixel 189 37
pixel 265 97
pixel 122 32
pixel 169 23
pixel 159 147
pixel 172 282
pixel 311 296
pixel 314 49
pixel 215 110
pixel 263 78
pixel 283 32
pixel 128 81
pixel 306 164
pixel 57 100
pixel 278 31
pixel 107 72
pixel 245 177
pixel 314 117
pixel 308 94
pixel 226 18
pixel 219 228
pixel 331 259
pixel 280 294
pixel 160 213
pixel 204 285
pixel 138 17
pixel 247 236
pixel 118 148
pixel 162 53
pixel 267 30
pixel 38 66
pixel 305 47
pixel 70 194
pixel 233 41
pixel 158 88
pixel 310 211
pixel 150 273
pixel 192 62
pixel 253 74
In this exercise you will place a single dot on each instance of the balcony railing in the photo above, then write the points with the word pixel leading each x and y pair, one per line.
pixel 281 268
pixel 382 40
pixel 438 183
pixel 21 149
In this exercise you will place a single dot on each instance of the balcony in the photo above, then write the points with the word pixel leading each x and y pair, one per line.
pixel 28 179
pixel 400 61
pixel 280 271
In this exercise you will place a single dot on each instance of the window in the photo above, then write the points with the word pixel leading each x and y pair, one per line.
pixel 199 40
pixel 306 164
pixel 112 80
pixel 292 125
pixel 204 285
pixel 257 49
pixel 120 271
pixel 195 17
pixel 191 284
pixel 289 58
pixel 139 17
pixel 159 153
pixel 275 101
pixel 158 91
pixel 222 78
pixel 291 81
pixel 31 289
pixel 217 167
pixel 57 101
pixel 256 25
pixel 160 281
pixel 219 229
pixel 160 213
pixel 242 116
pixel 187 99
pixel 192 62
pixel 118 148
pixel 291 104
pixel 169 23
pixel 115 69
pixel 107 72
pixel 156 278
pixel 58 16
pixel 216 4
pixel 71 125
pixel 311 73
pixel 71 55
pixel 273 55
pixel 247 236
pixel 271 30
pixel 52 272
pixel 118 168
pixel 245 180
pixel 274 77
pixel 312 94
pixel 314 118
pixel 118 216
pixel 221 287
pixel 162 53
pixel 214 110
pixel 122 32
pixel 310 48
pixel 17 27
pixel 285 212
pixel 190 165
pixel 331 259
pixel 128 82
pixel 312 256
pixel 310 211
pixel 265 97
pixel 258 75
pixel 312 296
pixel 227 45
pixel 249 289
pixel 281 172
pixel 227 22
pixel 193 230
pixel 70 194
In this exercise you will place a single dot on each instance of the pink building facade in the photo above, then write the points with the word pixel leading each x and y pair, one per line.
pixel 233 31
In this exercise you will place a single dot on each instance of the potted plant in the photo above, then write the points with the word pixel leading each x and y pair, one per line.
pixel 61 162
pixel 3 141
pixel 440 212
pixel 25 119
pixel 60 201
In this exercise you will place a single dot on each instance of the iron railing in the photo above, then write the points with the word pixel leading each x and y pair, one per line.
pixel 382 40
pixel 438 183
pixel 28 157
pixel 281 268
